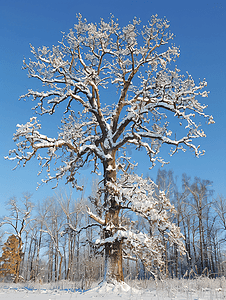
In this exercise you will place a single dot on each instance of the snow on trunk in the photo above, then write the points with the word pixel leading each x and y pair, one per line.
pixel 113 248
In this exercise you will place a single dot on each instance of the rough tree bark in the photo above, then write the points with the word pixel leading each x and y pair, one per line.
pixel 113 250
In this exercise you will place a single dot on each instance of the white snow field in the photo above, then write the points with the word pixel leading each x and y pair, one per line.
pixel 171 289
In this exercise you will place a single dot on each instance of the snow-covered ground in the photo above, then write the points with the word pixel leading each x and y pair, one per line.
pixel 198 289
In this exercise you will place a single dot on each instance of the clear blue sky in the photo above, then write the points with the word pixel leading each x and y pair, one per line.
pixel 200 29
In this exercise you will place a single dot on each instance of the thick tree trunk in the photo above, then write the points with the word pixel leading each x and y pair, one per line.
pixel 113 250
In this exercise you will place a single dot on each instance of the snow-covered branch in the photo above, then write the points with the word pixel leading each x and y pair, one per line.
pixel 138 61
pixel 95 217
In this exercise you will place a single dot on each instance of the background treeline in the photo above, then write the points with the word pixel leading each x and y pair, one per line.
pixel 53 240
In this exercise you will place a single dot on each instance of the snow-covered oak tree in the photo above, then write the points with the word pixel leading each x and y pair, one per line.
pixel 81 73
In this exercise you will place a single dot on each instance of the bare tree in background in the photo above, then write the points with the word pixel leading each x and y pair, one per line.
pixel 198 200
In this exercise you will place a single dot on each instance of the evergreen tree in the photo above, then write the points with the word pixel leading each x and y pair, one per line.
pixel 10 259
